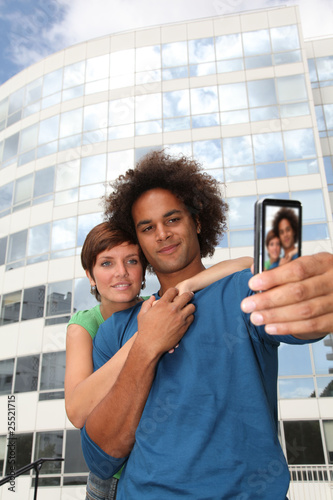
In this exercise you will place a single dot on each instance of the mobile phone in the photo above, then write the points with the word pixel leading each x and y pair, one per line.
pixel 277 233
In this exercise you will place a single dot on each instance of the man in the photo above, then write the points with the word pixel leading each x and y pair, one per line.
pixel 285 225
pixel 202 422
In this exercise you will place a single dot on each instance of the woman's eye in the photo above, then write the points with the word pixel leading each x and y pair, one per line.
pixel 132 261
pixel 106 263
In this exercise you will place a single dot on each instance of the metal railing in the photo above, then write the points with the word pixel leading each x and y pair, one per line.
pixel 311 482
pixel 37 465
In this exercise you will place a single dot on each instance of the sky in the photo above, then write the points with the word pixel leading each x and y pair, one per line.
pixel 33 29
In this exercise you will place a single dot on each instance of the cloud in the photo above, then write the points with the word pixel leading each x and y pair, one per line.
pixel 37 29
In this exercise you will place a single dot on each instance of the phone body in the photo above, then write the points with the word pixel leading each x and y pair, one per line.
pixel 277 224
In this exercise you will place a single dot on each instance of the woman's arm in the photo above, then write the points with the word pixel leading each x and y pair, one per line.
pixel 214 273
pixel 83 388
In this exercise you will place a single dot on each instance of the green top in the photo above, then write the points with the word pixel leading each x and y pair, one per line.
pixel 89 319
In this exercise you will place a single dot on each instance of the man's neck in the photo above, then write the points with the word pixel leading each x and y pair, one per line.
pixel 169 280
pixel 288 250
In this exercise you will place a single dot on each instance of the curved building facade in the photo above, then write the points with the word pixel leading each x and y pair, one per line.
pixel 247 97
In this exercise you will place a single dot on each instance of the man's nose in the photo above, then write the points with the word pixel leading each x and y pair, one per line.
pixel 162 232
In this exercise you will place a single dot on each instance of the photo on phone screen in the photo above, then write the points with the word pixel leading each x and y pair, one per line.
pixel 278 233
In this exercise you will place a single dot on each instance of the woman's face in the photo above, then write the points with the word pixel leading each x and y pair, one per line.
pixel 274 248
pixel 118 274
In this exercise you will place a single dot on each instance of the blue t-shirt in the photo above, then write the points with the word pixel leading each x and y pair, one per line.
pixel 209 427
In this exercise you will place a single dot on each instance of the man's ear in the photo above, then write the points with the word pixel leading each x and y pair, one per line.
pixel 90 278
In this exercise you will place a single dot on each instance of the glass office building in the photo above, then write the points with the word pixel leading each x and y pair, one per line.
pixel 244 94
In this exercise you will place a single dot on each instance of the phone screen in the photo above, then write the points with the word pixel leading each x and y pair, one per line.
pixel 278 233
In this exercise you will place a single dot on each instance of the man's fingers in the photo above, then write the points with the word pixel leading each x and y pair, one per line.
pixel 311 329
pixel 295 271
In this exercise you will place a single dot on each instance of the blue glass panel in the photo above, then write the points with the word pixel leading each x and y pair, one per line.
pixel 294 360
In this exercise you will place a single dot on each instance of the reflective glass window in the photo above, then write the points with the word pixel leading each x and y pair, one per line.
pixel 208 153
pixel 93 169
pixel 303 442
pixel 299 144
pixel 44 182
pixel 202 69
pixel 312 69
pixel 72 93
pixel 150 76
pixel 256 42
pixel 59 298
pixel 171 73
pixel 183 148
pixel 174 54
pixel 97 68
pixel 258 61
pixel 233 96
pixel 284 38
pixel 204 100
pixel 53 370
pixel 51 100
pixel 303 167
pixel 295 109
pixel 171 124
pixel 6 197
pixel 291 88
pixel 6 376
pixel 3 109
pixel 91 191
pixel 328 169
pixel 67 175
pixel 288 57
pixel 122 62
pixel 237 151
pixel 148 107
pixel 74 458
pixel 313 232
pixel 121 111
pixel 15 101
pixel 325 387
pixel 176 103
pixel 64 197
pixel 239 174
pixel 229 46
pixel 313 205
pixel 265 113
pixel 52 82
pixel 26 377
pixel 17 245
pixel 23 451
pixel 39 239
pixel 3 246
pixel 74 74
pixel 296 388
pixel 322 354
pixel 268 147
pixel 148 58
pixel 63 234
pixel 209 120
pixel 10 147
pixel 320 118
pixel 119 162
pixel 85 224
pixel 48 130
pixel 71 122
pixel 117 82
pixel 83 299
pixel 23 189
pixel 151 127
pixel 240 239
pixel 261 92
pixel 97 86
pixel 29 138
pixel 95 116
pixel 33 91
pixel 240 212
pixel 325 67
pixel 328 430
pixel 10 308
pixel 230 65
pixel 328 112
pixel 33 302
pixel 231 117
pixel 294 360
pixel 201 50
pixel 49 444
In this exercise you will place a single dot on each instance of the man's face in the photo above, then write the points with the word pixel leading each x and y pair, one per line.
pixel 286 234
pixel 166 231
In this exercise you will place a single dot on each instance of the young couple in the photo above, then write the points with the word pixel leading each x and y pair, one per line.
pixel 200 422
pixel 283 235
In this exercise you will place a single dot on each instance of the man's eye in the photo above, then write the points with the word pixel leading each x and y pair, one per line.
pixel 146 229
pixel 175 219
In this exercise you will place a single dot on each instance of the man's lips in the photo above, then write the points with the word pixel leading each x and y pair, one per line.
pixel 169 249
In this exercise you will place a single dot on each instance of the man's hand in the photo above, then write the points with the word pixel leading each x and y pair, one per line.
pixel 296 298
pixel 161 327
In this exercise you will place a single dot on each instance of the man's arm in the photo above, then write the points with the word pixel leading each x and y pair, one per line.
pixel 297 298
pixel 112 424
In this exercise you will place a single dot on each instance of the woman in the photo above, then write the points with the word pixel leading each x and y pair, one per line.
pixel 273 246
pixel 115 267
